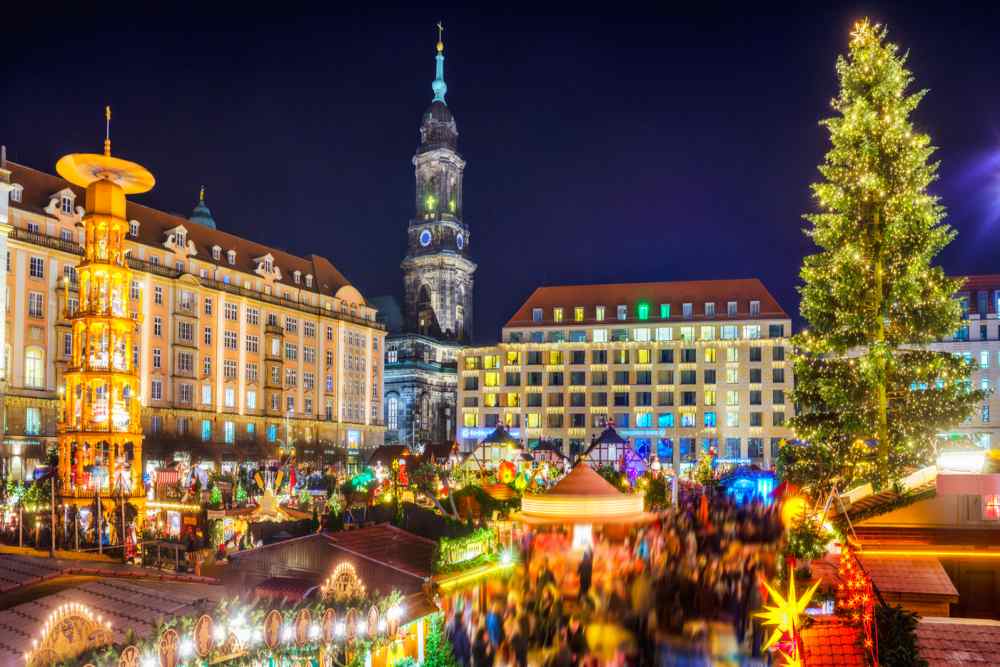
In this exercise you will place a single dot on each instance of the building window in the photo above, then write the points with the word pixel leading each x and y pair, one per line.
pixel 32 421
pixel 599 313
pixel 536 314
pixel 156 390
pixel 157 358
pixel 687 311
pixel 230 397
pixel 34 368
pixel 710 309
pixel 229 369
pixel 755 309
pixel 622 312
pixel 731 308
pixel 67 205
pixel 231 256
pixel 35 305
pixel 230 340
pixel 186 394
pixel 16 193
pixel 36 267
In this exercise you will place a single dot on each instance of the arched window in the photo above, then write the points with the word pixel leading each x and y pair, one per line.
pixel 392 412
pixel 34 368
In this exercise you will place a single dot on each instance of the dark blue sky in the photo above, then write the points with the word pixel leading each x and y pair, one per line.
pixel 643 144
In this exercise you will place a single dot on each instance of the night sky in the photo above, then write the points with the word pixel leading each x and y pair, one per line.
pixel 644 145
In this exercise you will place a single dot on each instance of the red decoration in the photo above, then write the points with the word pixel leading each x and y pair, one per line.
pixel 856 595
pixel 506 472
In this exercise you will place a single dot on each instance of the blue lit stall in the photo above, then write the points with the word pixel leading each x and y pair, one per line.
pixel 745 484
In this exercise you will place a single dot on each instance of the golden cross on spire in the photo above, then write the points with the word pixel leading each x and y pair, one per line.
pixel 107 130
pixel 201 195
pixel 440 44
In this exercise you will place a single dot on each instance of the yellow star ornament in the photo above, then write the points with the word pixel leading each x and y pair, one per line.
pixel 785 614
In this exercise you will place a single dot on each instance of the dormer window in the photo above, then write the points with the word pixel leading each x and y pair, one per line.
pixel 16 193
pixel 267 264
pixel 216 253
pixel 231 256
pixel 296 277
pixel 309 280
pixel 180 238
pixel 67 205
pixel 133 228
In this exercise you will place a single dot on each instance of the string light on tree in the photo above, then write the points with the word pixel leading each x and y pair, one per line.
pixel 872 397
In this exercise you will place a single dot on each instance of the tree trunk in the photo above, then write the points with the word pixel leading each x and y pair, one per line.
pixel 882 434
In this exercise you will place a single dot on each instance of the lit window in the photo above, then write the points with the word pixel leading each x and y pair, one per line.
pixel 664 333
pixel 687 334
pixel 36 267
pixel 731 308
pixel 687 311
pixel 34 368
pixel 231 256
pixel 732 398
pixel 643 355
pixel 732 419
pixel 641 335
pixel 732 354
pixel 984 359
pixel 754 308
pixel 991 507
pixel 710 309
pixel 710 399
pixel 536 314
pixel 708 333
pixel 230 397
pixel 296 277
pixel 229 431
pixel 16 193
pixel 599 313
pixel 710 355
pixel 709 418
pixel 622 312
pixel 664 311
pixel 600 335
pixel 578 314
pixel 133 228
pixel 751 331
pixel 557 314
pixel 309 280
pixel 32 421
pixel 642 311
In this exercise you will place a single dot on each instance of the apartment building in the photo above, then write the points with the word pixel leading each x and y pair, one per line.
pixel 978 340
pixel 238 342
pixel 680 367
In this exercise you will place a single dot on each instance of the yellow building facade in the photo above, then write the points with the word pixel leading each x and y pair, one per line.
pixel 240 348
pixel 680 368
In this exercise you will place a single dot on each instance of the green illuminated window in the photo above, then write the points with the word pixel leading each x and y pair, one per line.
pixel 430 202
pixel 643 311
pixel 664 311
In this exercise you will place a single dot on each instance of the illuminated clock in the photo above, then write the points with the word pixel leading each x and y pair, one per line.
pixel 425 238
pixel 460 240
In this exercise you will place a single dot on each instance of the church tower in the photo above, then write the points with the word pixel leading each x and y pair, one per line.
pixel 437 271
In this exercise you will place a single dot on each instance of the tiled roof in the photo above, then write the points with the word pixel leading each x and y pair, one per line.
pixel 391 546
pixel 914 575
pixel 829 642
pixel 40 186
pixel 959 641
pixel 696 292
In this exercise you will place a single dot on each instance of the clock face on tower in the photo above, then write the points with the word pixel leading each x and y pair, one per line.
pixel 425 238
pixel 460 240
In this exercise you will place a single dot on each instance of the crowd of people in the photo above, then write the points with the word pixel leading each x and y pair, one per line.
pixel 688 582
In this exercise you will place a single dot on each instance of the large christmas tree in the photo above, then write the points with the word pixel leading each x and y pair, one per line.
pixel 871 396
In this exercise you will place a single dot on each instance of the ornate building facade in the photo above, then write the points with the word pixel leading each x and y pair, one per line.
pixel 240 347
pixel 436 317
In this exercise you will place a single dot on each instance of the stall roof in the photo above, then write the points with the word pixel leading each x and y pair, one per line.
pixel 129 605
pixel 958 641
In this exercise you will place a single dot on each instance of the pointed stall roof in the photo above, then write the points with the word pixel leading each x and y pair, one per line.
pixel 583 497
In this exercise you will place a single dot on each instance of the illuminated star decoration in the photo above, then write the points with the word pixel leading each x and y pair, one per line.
pixel 784 615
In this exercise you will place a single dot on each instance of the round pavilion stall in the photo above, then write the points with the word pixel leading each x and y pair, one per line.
pixel 584 500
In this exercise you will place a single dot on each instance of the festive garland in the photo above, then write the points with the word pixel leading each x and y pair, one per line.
pixel 448 546
pixel 241 638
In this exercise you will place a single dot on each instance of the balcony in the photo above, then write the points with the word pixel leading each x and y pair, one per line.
pixel 274 329
pixel 53 242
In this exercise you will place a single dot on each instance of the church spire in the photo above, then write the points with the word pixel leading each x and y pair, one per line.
pixel 439 86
